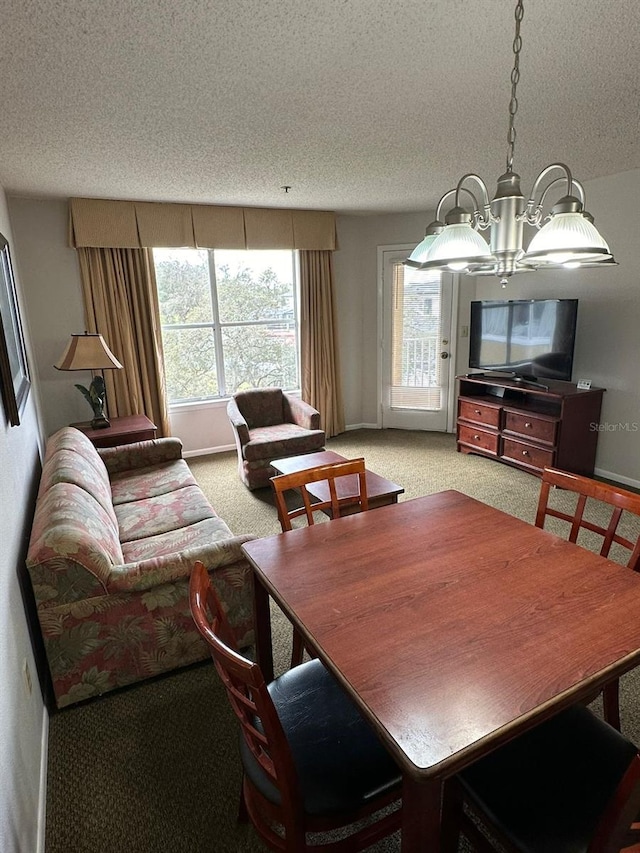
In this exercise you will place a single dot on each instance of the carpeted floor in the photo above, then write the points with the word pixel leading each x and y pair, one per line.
pixel 155 767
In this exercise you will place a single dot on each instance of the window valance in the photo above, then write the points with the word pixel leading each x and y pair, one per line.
pixel 109 223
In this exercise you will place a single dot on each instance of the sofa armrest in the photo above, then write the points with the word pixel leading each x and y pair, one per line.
pixel 173 567
pixel 238 422
pixel 140 454
pixel 296 411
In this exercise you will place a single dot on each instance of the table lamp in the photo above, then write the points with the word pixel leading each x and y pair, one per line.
pixel 90 352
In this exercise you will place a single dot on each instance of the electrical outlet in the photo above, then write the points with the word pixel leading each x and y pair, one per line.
pixel 26 674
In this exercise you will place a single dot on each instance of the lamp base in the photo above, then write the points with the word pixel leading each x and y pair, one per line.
pixel 100 422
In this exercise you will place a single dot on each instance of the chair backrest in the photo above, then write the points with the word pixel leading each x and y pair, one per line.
pixel 260 407
pixel 273 796
pixel 246 688
pixel 617 498
pixel 351 492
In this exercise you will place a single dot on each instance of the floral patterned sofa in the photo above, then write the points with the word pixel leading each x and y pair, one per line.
pixel 115 535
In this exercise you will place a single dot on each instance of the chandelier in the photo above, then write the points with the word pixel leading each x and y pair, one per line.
pixel 565 238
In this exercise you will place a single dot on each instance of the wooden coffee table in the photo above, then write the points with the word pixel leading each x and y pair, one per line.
pixel 380 492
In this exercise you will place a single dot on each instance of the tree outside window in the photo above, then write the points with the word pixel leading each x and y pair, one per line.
pixel 229 321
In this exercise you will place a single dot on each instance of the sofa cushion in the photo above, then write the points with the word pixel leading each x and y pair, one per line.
pixel 173 541
pixel 70 438
pixel 140 454
pixel 142 483
pixel 163 513
pixel 71 458
pixel 275 442
pixel 68 466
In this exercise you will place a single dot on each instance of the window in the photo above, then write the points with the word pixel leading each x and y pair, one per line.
pixel 229 321
pixel 416 334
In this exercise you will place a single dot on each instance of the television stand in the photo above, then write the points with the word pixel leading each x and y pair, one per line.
pixel 527 424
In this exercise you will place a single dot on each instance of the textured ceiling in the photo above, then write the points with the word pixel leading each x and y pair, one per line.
pixel 358 105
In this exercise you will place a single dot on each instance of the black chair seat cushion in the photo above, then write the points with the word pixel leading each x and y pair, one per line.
pixel 547 789
pixel 341 764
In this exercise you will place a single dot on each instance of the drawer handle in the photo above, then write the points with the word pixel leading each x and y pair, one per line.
pixel 528 424
pixel 477 412
pixel 477 437
pixel 525 452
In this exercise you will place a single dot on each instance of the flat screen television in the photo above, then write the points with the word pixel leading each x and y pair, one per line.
pixel 529 338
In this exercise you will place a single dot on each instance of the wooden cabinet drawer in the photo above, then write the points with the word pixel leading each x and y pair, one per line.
pixel 530 425
pixel 527 454
pixel 479 438
pixel 481 413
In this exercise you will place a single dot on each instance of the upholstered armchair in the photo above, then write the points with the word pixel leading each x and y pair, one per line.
pixel 269 424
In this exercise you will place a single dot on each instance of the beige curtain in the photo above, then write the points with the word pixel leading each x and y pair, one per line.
pixel 321 386
pixel 121 303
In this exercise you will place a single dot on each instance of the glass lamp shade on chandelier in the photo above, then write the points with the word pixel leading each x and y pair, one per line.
pixel 90 352
pixel 566 237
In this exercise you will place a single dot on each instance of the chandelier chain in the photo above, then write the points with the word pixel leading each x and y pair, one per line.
pixel 515 78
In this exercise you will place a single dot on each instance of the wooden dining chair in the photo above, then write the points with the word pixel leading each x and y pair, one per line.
pixel 350 493
pixel 618 500
pixel 311 763
pixel 570 785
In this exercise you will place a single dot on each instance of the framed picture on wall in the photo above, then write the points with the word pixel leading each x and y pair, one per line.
pixel 14 371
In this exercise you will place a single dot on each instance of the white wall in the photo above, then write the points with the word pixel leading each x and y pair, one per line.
pixel 23 718
pixel 203 427
pixel 53 300
pixel 606 350
pixel 356 275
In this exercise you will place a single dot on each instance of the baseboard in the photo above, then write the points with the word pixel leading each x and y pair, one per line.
pixel 362 426
pixel 222 448
pixel 617 478
pixel 42 796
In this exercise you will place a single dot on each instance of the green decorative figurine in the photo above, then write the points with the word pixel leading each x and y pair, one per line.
pixel 95 395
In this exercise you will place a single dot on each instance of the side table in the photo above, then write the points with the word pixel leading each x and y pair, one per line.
pixel 125 430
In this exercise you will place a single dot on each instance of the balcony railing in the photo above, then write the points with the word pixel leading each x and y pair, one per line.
pixel 420 366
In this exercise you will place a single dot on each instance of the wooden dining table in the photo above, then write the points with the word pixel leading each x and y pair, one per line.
pixel 454 626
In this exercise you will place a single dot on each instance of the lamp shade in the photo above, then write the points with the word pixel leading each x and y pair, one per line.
pixel 456 247
pixel 87 352
pixel 419 254
pixel 568 238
